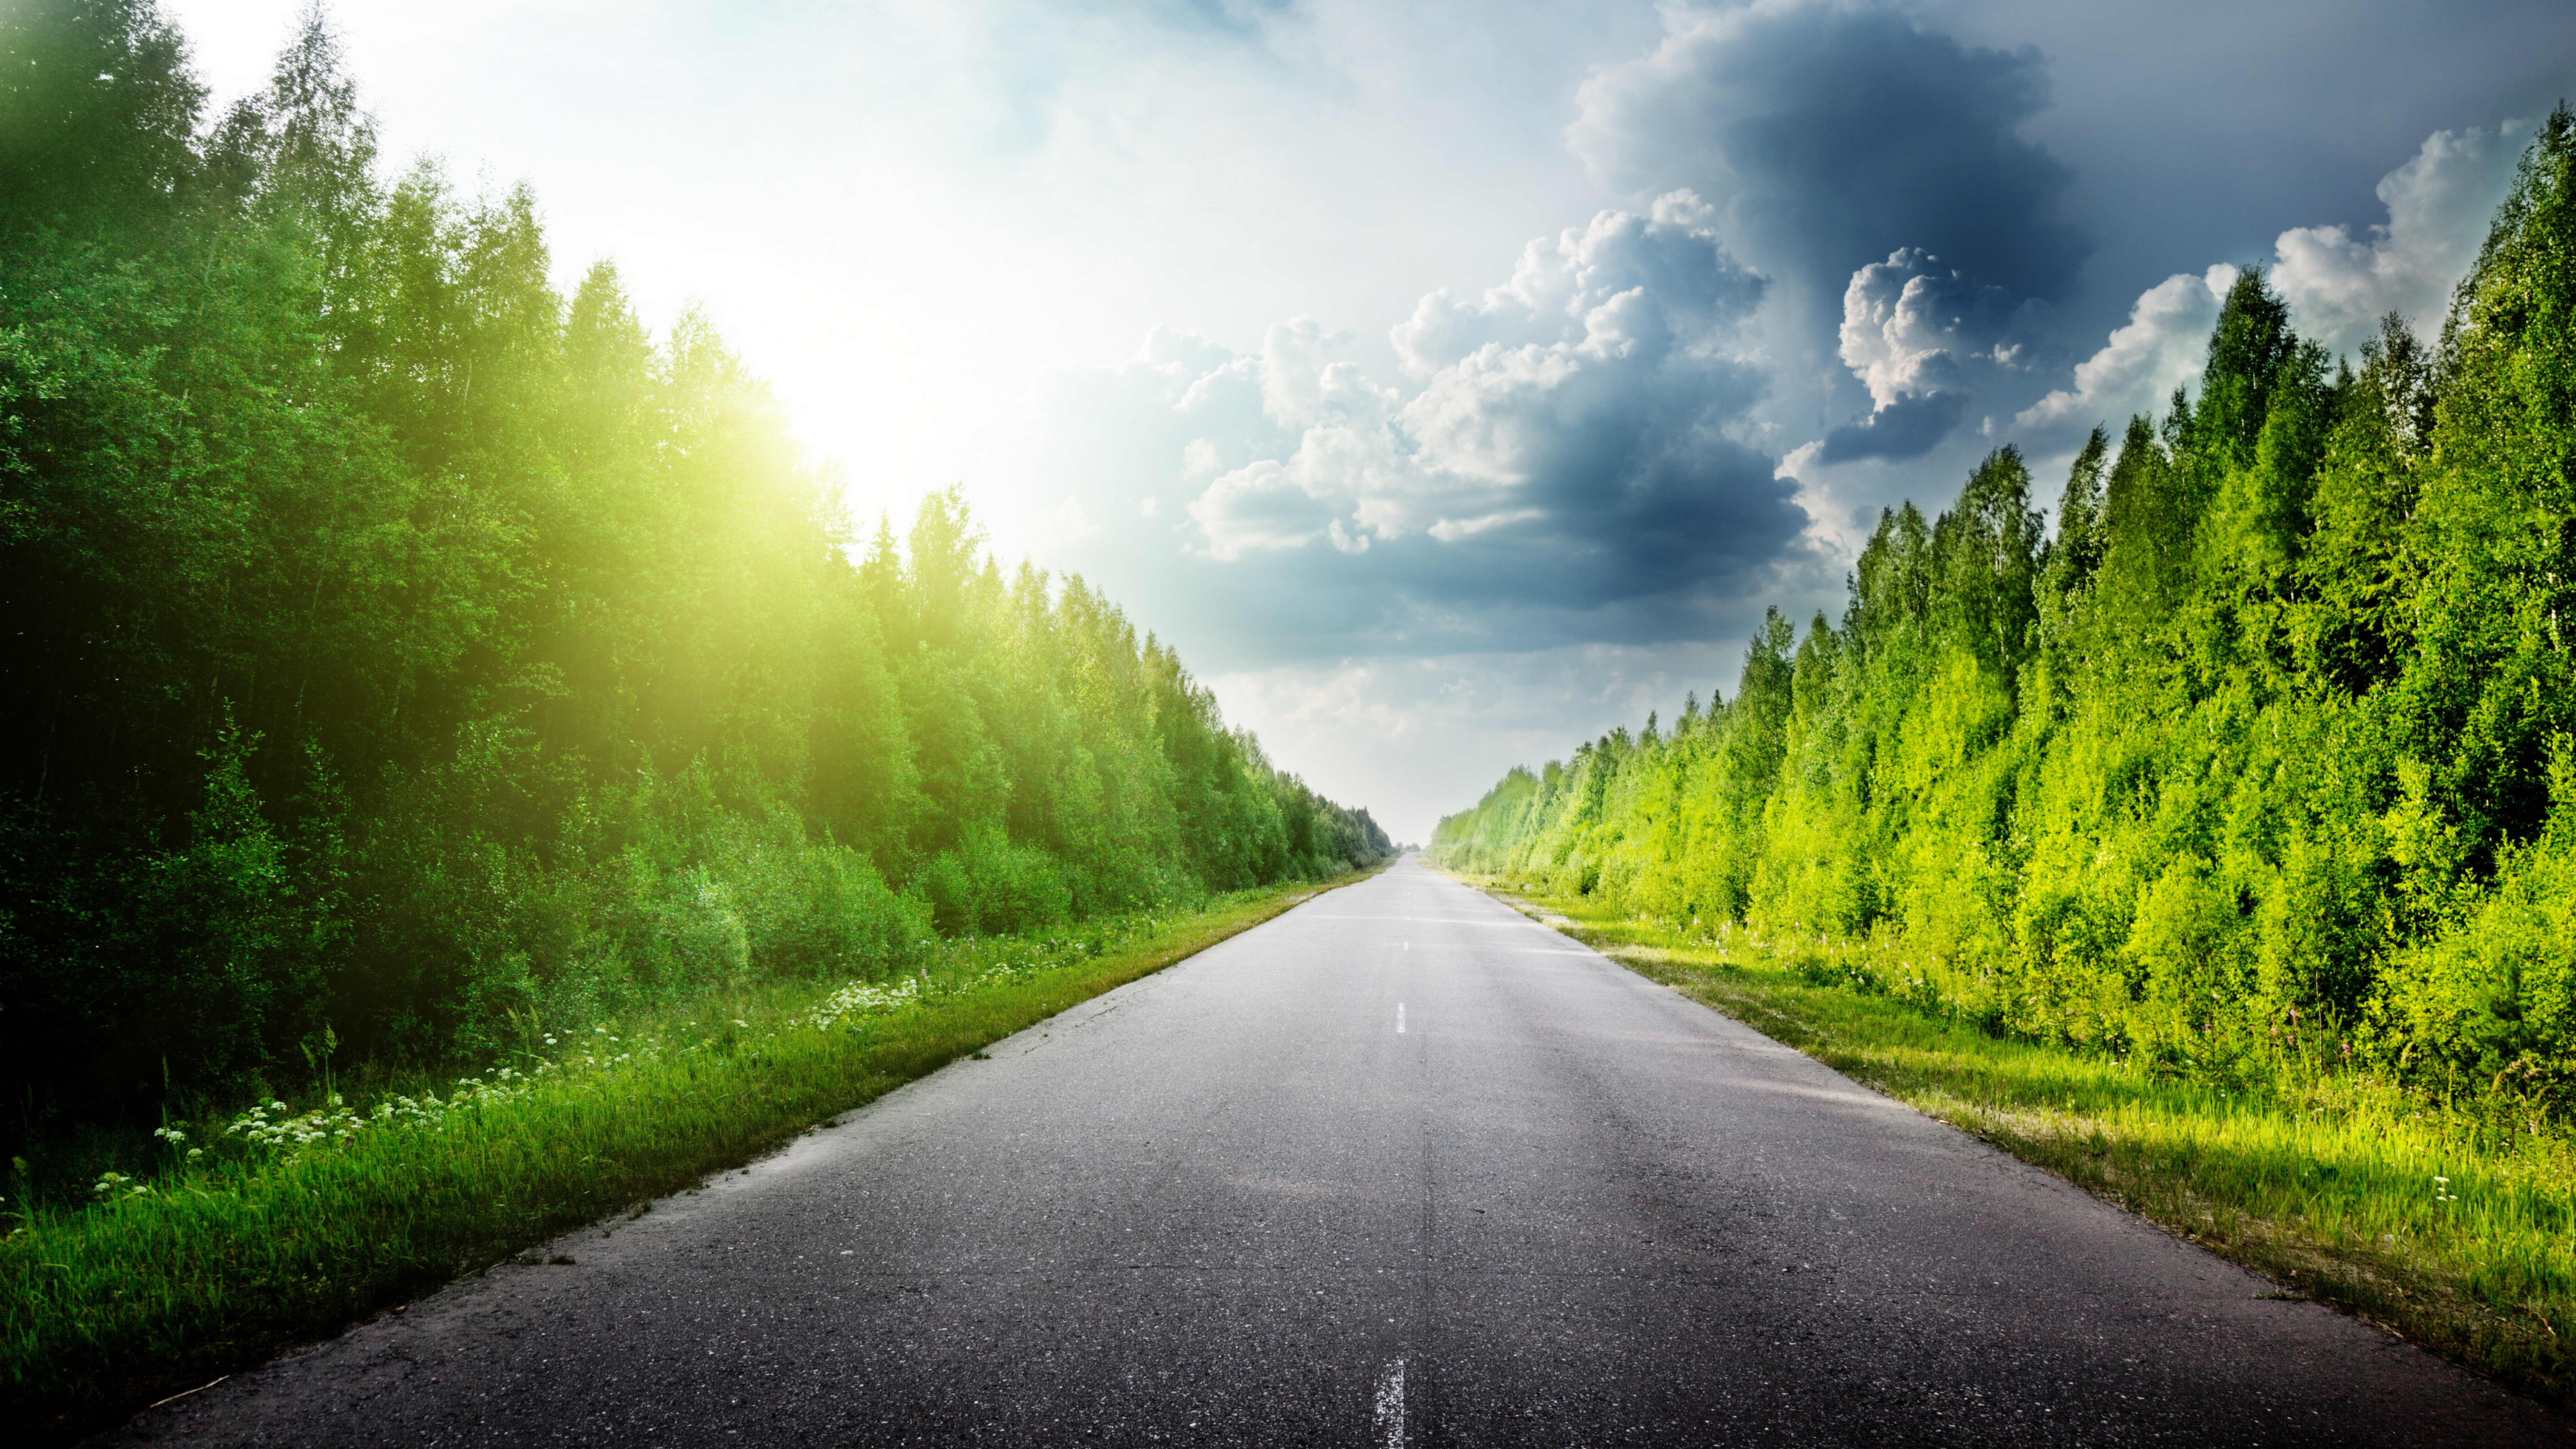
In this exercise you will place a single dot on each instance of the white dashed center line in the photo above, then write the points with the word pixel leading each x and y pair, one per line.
pixel 1389 1405
pixel 1399 1018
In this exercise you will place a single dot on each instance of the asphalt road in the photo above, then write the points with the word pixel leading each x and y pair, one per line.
pixel 1400 1166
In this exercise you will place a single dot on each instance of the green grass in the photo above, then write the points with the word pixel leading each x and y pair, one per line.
pixel 2450 1227
pixel 108 1306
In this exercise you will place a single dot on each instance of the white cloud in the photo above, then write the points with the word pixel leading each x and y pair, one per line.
pixel 2161 348
pixel 1303 386
pixel 1258 507
pixel 1911 326
pixel 2439 204
pixel 2338 285
pixel 1450 530
pixel 1841 505
pixel 1925 340
pixel 1608 352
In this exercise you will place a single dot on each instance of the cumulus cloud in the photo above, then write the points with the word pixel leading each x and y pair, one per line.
pixel 1587 396
pixel 2160 348
pixel 1570 443
pixel 2439 203
pixel 1255 507
pixel 1924 338
pixel 2338 285
pixel 1345 459
pixel 1838 134
pixel 1591 449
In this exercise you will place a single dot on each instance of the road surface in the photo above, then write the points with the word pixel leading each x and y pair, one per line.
pixel 1399 1167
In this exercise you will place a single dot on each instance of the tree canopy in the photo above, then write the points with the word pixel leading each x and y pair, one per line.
pixel 2276 728
pixel 397 643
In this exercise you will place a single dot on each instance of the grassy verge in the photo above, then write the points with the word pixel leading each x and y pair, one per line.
pixel 302 1220
pixel 2450 1229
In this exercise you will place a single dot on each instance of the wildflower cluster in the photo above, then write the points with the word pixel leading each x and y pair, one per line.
pixel 508 1084
pixel 596 1049
pixel 276 1126
pixel 859 999
pixel 996 975
pixel 178 1140
pixel 291 1129
pixel 116 1185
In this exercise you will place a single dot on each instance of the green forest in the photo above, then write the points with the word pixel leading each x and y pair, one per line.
pixel 399 649
pixel 2262 754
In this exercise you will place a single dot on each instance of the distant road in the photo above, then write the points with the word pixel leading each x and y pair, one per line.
pixel 1399 1167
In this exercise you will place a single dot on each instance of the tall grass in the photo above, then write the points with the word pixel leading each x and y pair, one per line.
pixel 2452 1225
pixel 310 1215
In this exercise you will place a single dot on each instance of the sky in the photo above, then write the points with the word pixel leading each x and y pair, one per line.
pixel 1450 383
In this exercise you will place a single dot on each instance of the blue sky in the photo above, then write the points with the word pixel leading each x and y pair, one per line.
pixel 1451 382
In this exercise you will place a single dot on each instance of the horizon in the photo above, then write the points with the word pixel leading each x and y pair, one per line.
pixel 1448 393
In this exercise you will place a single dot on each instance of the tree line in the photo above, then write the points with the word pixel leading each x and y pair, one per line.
pixel 2267 748
pixel 395 645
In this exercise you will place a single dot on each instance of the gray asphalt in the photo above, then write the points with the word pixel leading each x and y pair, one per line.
pixel 1400 1166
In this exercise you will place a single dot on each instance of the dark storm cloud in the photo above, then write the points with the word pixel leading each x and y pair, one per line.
pixel 1565 460
pixel 1837 136
pixel 1909 427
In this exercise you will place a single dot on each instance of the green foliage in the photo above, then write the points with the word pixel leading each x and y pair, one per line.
pixel 97 111
pixel 398 645
pixel 2273 736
